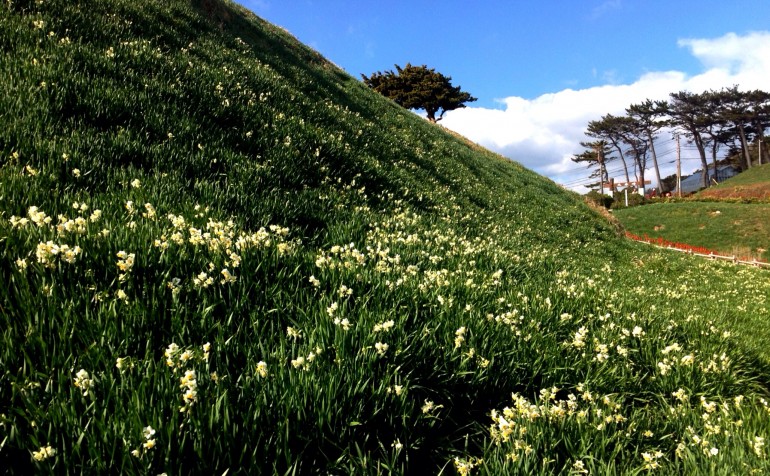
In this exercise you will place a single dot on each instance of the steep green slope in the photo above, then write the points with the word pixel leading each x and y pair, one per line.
pixel 222 253
pixel 753 184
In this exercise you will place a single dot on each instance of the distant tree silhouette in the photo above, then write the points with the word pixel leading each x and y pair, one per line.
pixel 419 87
pixel 688 112
pixel 608 128
pixel 598 152
pixel 648 116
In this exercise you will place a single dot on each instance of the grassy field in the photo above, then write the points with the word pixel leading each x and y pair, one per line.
pixel 741 229
pixel 751 185
pixel 222 254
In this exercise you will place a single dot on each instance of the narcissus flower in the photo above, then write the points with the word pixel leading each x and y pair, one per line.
pixel 262 369
pixel 381 348
pixel 83 381
pixel 43 453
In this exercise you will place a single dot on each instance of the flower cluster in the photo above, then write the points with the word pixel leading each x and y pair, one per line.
pixel 227 277
pixel 177 357
pixel 262 369
pixel 48 252
pixel 125 263
pixel 37 216
pixel 222 241
pixel 148 435
pixel 397 390
pixel 303 363
pixel 465 467
pixel 44 453
pixel 84 382
pixel 124 363
pixel 651 459
pixel 429 407
pixel 203 280
pixel 188 383
pixel 385 326
pixel 515 419
pixel 344 257
pixel 460 337
pixel 381 348
pixel 293 334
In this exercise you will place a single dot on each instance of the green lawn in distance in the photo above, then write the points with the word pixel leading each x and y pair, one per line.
pixel 751 185
pixel 731 228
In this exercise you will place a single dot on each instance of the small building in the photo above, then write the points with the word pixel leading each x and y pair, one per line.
pixel 694 182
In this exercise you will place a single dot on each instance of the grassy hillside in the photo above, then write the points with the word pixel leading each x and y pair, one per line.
pixel 753 184
pixel 741 229
pixel 223 254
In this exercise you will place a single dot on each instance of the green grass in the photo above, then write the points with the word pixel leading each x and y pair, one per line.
pixel 755 175
pixel 730 228
pixel 220 253
pixel 751 185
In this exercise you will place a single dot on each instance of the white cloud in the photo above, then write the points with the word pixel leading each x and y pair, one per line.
pixel 543 133
pixel 605 7
pixel 746 55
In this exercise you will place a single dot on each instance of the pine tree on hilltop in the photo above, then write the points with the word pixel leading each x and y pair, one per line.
pixel 419 87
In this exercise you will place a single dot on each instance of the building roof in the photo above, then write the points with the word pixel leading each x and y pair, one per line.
pixel 693 183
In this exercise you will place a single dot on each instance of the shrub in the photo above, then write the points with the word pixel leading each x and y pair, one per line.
pixel 599 199
pixel 634 199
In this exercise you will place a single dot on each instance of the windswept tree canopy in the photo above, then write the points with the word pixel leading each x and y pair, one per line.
pixel 728 119
pixel 419 87
pixel 598 152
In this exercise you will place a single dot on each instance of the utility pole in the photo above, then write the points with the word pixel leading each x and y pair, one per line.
pixel 678 168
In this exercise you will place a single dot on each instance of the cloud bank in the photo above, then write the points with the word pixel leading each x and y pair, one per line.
pixel 543 133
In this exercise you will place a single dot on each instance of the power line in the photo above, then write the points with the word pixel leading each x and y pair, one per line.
pixel 586 181
pixel 665 147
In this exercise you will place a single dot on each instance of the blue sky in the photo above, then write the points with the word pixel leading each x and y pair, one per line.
pixel 542 70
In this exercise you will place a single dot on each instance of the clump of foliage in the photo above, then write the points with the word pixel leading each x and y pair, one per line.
pixel 599 199
pixel 615 201
pixel 419 87
pixel 634 199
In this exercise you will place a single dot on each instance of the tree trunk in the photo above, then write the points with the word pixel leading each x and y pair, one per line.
pixel 661 186
pixel 640 173
pixel 704 162
pixel 622 159
pixel 638 170
pixel 600 160
pixel 761 136
pixel 744 148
